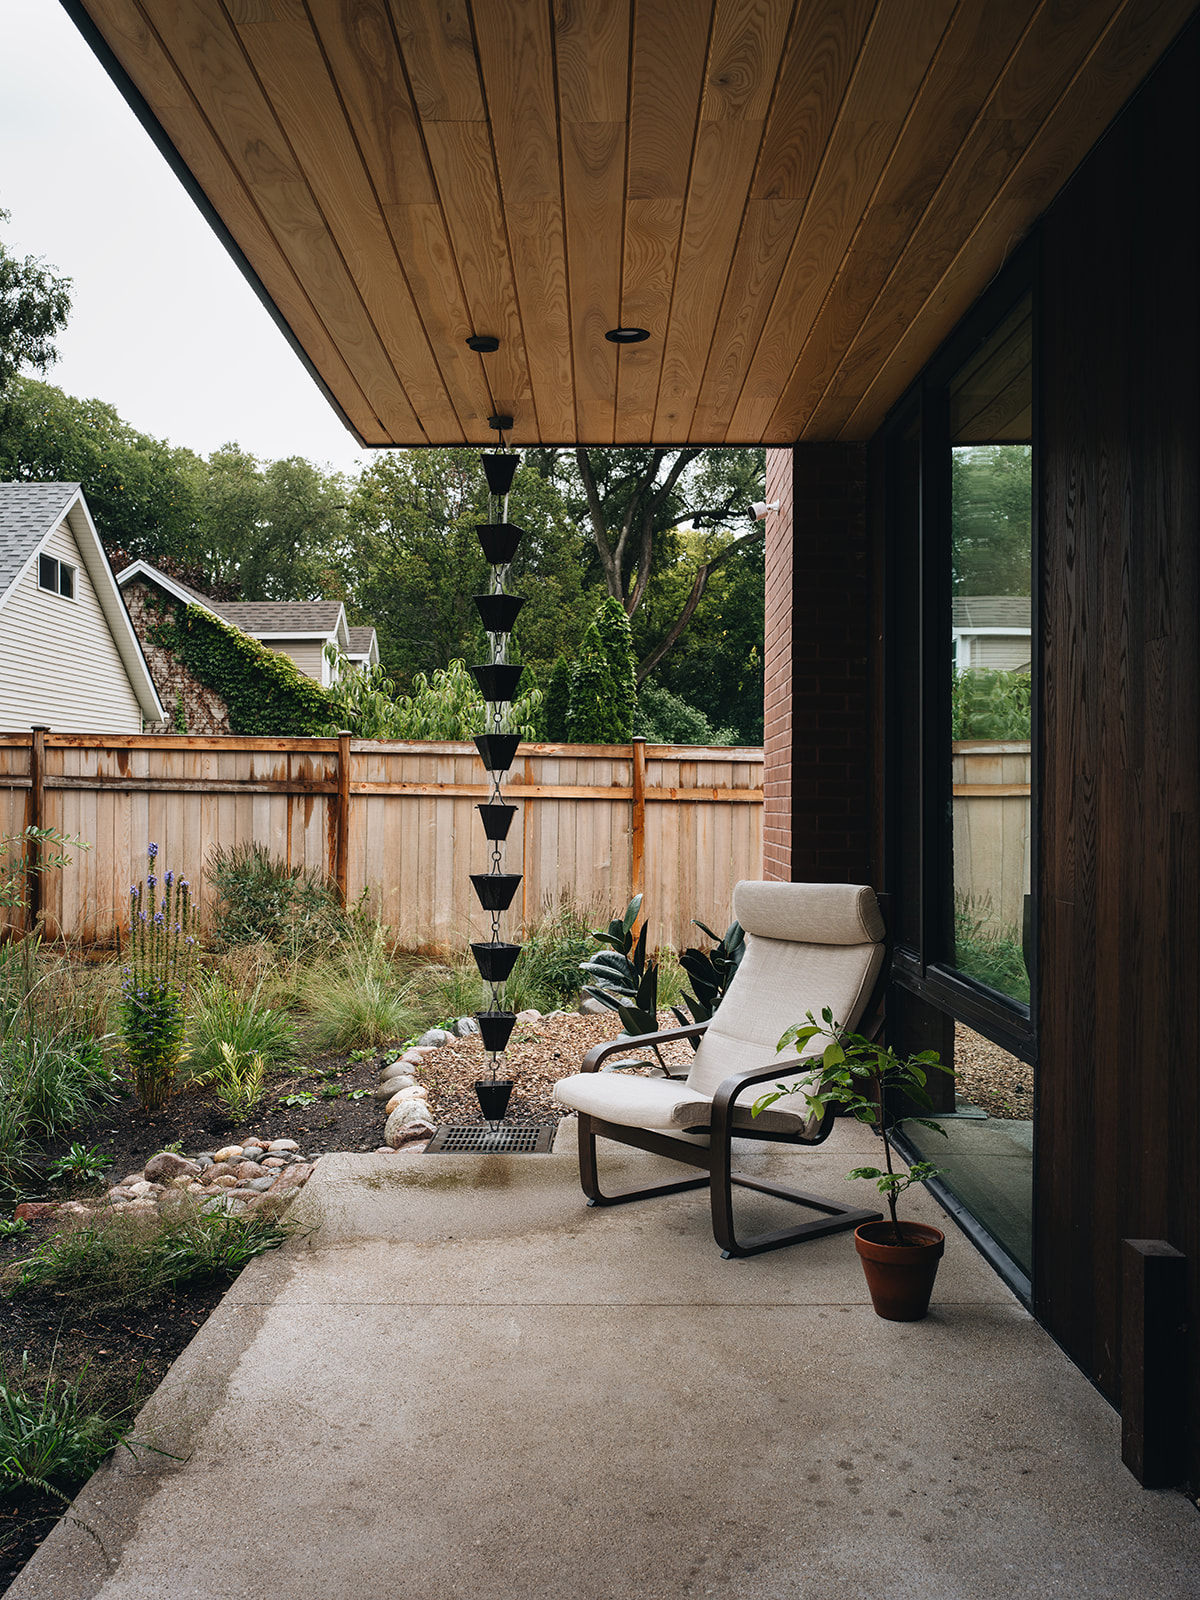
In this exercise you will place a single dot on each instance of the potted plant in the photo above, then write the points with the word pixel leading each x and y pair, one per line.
pixel 866 1079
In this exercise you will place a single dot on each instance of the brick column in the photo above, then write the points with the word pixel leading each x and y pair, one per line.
pixel 815 823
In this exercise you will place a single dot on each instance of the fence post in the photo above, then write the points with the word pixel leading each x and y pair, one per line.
pixel 35 817
pixel 638 870
pixel 341 869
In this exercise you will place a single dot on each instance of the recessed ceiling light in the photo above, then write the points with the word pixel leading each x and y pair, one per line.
pixel 483 343
pixel 627 335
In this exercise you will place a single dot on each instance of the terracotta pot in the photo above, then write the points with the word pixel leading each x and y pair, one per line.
pixel 899 1276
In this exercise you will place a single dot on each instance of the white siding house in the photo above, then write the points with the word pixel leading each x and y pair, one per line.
pixel 71 660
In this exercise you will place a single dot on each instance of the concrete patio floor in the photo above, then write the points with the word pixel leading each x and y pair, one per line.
pixel 466 1383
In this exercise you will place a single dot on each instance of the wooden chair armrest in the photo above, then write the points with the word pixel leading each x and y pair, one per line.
pixel 641 1041
pixel 730 1088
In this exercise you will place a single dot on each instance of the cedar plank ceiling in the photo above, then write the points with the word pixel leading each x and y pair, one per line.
pixel 798 198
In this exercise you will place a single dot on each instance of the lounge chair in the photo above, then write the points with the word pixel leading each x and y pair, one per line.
pixel 808 946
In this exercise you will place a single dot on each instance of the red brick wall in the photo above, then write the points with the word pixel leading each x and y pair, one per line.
pixel 816 683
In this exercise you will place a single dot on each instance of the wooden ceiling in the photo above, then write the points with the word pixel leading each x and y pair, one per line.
pixel 797 198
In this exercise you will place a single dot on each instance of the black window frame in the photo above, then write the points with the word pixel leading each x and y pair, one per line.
pixel 918 836
pixel 59 569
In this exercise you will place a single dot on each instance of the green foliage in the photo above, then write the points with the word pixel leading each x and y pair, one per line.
pixel 81 1164
pixel 263 898
pixel 710 972
pixel 121 1259
pixel 547 971
pixel 141 491
pixel 357 997
pixel 222 1018
pixel 989 704
pixel 992 501
pixel 992 955
pixel 865 1079
pixel 266 693
pixel 49 856
pixel 159 949
pixel 556 704
pixel 412 562
pixel 50 1437
pixel 663 718
pixel 34 306
pixel 53 1073
pixel 237 1078
pixel 603 685
pixel 624 979
pixel 446 705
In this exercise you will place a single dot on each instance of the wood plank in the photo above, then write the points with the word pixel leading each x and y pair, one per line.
pixel 439 59
pixel 721 171
pixel 669 57
pixel 245 125
pixel 894 59
pixel 289 63
pixel 140 53
pixel 539 258
pixel 591 45
pixel 651 247
pixel 1056 87
pixel 973 51
pixel 464 167
pixel 593 184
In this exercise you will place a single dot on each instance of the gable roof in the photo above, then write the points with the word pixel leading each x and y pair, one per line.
pixel 261 619
pixel 362 641
pixel 991 611
pixel 29 514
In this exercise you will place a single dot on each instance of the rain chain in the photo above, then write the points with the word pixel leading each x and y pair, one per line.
pixel 497 682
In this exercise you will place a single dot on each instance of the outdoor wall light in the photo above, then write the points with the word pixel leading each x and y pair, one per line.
pixel 627 335
pixel 761 507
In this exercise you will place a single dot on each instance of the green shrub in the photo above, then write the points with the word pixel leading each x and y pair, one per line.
pixel 603 680
pixel 358 997
pixel 262 898
pixel 547 972
pixel 665 718
pixel 220 1016
pixel 445 705
pixel 238 1081
pixel 989 704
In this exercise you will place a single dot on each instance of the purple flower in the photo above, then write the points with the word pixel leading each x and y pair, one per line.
pixel 151 880
pixel 152 851
pixel 169 879
pixel 135 890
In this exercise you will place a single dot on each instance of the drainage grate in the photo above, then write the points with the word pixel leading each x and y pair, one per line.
pixel 531 1139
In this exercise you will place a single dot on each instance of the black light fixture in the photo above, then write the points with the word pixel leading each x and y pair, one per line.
pixel 483 344
pixel 627 335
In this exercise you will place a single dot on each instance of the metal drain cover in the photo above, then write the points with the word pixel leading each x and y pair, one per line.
pixel 530 1139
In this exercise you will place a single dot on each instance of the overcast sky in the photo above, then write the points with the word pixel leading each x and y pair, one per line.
pixel 163 325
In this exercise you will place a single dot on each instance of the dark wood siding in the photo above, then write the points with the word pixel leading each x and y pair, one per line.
pixel 1119 1117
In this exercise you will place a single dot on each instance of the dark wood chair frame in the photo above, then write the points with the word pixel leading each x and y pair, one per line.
pixel 717 1158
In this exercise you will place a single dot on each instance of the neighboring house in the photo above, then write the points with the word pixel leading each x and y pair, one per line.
pixel 364 649
pixel 992 630
pixel 299 629
pixel 72 661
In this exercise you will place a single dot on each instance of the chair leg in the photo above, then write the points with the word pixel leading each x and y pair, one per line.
pixel 834 1220
pixel 589 1175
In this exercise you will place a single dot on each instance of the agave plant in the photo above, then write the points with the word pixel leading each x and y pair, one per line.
pixel 622 977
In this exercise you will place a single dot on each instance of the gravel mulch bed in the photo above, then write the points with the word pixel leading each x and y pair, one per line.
pixel 988 1077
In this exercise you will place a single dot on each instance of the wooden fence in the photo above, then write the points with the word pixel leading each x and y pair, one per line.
pixel 992 827
pixel 395 821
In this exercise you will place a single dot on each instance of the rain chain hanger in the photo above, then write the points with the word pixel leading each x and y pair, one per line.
pixel 497 682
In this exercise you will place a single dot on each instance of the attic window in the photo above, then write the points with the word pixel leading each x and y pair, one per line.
pixel 56 576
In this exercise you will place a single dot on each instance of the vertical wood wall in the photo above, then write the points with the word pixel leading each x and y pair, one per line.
pixel 398 822
pixel 1118 1142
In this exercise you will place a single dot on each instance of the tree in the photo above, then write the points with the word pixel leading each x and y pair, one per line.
pixel 34 306
pixel 603 687
pixel 633 502
pixel 141 491
pixel 411 562
pixel 446 705
pixel 271 531
pixel 992 502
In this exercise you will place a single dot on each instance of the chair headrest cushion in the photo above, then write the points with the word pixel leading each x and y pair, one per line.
pixel 810 913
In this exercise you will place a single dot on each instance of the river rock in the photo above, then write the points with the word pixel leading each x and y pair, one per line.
pixel 410 1120
pixel 248 1169
pixel 277 1146
pixel 166 1165
pixel 227 1153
